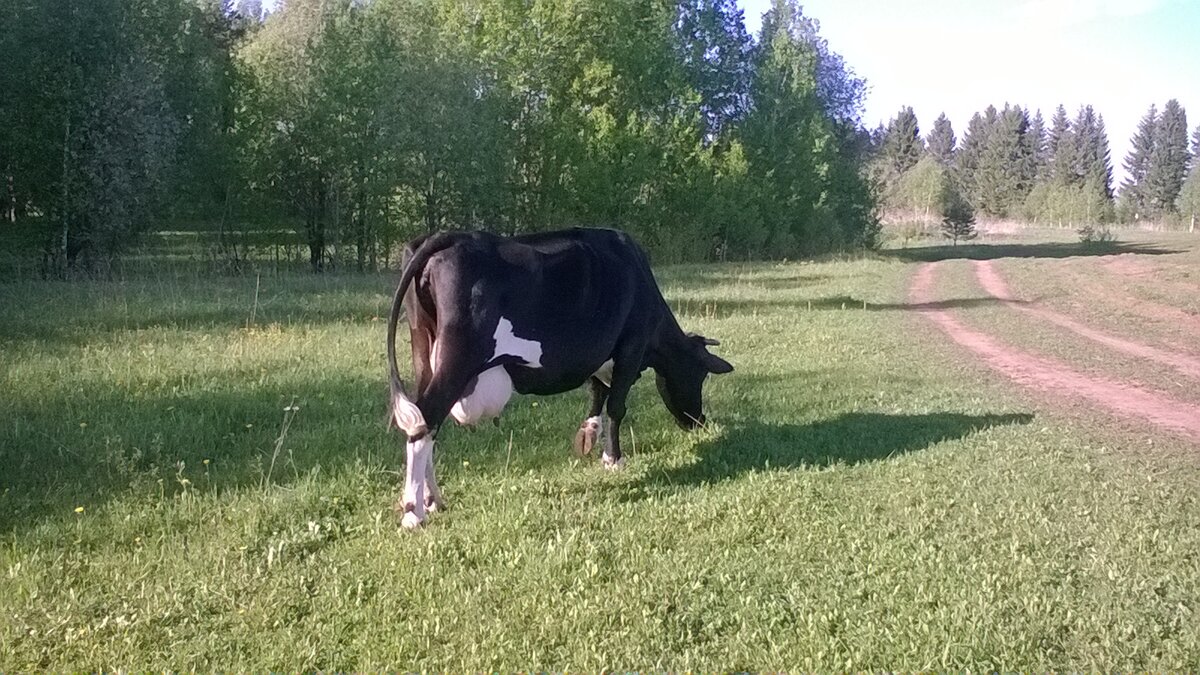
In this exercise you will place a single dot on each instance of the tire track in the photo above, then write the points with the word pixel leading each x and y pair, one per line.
pixel 1128 302
pixel 994 285
pixel 1048 376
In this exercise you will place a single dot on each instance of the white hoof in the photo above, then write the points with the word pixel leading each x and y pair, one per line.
pixel 612 465
pixel 411 521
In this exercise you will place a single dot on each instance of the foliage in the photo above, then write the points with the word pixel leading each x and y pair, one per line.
pixel 959 221
pixel 1168 160
pixel 360 124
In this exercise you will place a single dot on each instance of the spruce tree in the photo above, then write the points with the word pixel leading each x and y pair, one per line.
pixel 941 141
pixel 1092 170
pixel 967 158
pixel 1004 175
pixel 1168 160
pixel 1137 166
pixel 1039 149
pixel 902 142
pixel 959 221
pixel 1060 147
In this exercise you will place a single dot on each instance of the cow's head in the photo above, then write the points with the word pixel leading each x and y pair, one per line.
pixel 680 376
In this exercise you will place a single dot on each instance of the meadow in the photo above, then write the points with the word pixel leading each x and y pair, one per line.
pixel 195 473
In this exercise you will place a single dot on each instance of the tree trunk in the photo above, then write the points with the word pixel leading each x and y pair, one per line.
pixel 316 226
pixel 66 195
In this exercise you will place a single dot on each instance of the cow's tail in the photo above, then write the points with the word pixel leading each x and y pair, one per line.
pixel 405 414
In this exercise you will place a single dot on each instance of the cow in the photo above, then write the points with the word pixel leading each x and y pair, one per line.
pixel 536 314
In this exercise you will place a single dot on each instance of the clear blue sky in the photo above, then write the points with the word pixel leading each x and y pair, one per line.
pixel 957 56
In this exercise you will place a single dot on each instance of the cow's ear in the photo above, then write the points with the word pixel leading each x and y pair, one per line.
pixel 715 364
pixel 705 341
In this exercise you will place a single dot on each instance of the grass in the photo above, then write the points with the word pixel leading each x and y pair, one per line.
pixel 865 498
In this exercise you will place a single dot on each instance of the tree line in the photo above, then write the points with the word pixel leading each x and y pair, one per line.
pixel 356 124
pixel 1010 163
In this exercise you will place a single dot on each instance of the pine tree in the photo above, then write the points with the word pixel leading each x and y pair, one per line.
pixel 1137 166
pixel 1168 160
pixel 941 141
pixel 902 144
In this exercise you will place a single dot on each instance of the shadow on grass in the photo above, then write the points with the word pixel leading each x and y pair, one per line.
pixel 850 438
pixel 68 314
pixel 726 307
pixel 1046 250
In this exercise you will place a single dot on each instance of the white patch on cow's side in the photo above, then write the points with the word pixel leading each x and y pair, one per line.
pixel 407 415
pixel 508 344
pixel 605 372
pixel 493 388
pixel 420 453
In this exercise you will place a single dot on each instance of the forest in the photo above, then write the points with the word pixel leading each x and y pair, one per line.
pixel 341 128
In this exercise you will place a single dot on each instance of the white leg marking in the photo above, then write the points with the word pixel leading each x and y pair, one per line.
pixel 607 458
pixel 419 453
pixel 508 344
pixel 492 390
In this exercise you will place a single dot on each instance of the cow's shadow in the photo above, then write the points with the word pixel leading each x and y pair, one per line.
pixel 849 438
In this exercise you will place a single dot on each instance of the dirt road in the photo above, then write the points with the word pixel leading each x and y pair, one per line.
pixel 1052 379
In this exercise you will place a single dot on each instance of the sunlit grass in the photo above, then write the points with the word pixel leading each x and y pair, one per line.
pixel 863 499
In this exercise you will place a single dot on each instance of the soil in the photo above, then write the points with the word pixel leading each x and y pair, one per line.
pixel 1050 378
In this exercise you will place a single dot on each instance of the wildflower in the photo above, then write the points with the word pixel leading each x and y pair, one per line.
pixel 78 509
pixel 466 463
pixel 83 425
pixel 206 462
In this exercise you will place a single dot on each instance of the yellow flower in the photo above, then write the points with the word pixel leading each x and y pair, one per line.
pixel 78 509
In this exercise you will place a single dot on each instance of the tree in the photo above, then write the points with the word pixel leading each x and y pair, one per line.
pixel 902 145
pixel 1137 166
pixel 1060 148
pixel 1005 169
pixel 924 190
pixel 714 48
pixel 959 221
pixel 1039 147
pixel 800 140
pixel 1168 160
pixel 941 141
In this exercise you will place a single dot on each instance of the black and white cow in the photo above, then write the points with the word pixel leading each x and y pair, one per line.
pixel 537 314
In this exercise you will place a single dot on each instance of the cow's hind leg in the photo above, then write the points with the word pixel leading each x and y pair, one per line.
pixel 434 501
pixel 590 430
pixel 452 374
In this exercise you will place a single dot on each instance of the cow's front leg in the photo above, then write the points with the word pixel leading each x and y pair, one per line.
pixel 420 455
pixel 622 382
pixel 591 428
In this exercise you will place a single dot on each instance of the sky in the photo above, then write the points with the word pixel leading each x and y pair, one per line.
pixel 959 56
